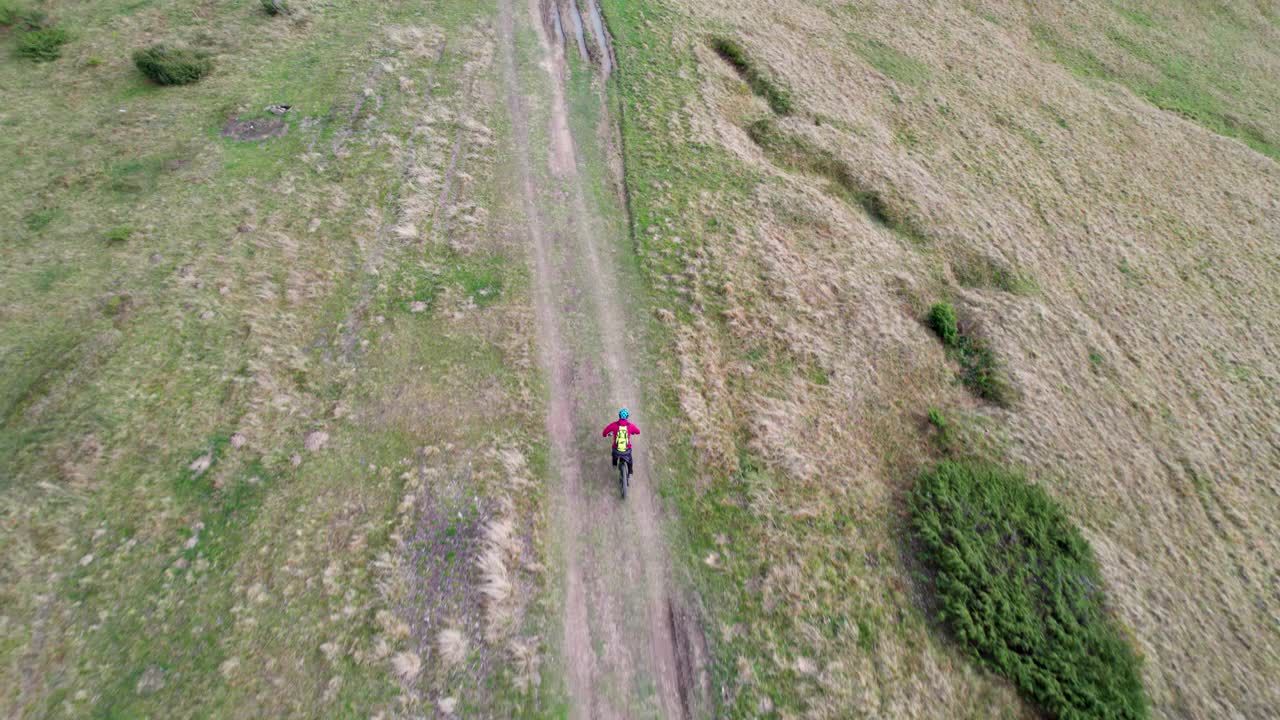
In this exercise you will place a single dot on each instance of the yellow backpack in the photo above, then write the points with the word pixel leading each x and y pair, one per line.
pixel 622 439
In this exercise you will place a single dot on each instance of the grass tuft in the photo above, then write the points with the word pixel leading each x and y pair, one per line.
pixel 165 65
pixel 40 219
pixel 946 438
pixel 44 44
pixel 761 84
pixel 118 235
pixel 1019 588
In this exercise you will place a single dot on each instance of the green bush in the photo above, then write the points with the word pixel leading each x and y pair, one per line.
pixel 172 66
pixel 40 219
pixel 1019 588
pixel 275 7
pixel 733 53
pixel 43 45
pixel 942 318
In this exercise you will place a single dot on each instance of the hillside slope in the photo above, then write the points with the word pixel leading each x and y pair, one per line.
pixel 302 366
pixel 1094 186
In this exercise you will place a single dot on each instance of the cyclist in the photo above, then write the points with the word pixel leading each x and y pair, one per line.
pixel 622 431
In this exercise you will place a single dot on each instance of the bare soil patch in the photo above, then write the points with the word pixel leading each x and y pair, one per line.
pixel 254 129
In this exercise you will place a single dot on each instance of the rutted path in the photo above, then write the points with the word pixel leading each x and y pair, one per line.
pixel 618 618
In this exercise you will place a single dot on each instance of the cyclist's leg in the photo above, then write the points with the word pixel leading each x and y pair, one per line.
pixel 631 468
pixel 614 458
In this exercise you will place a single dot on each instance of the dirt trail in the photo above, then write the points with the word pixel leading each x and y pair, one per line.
pixel 618 625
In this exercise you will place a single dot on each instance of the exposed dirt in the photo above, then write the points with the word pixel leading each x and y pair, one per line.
pixel 619 621
pixel 255 129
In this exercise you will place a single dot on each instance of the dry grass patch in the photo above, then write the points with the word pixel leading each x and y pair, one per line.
pixel 1023 174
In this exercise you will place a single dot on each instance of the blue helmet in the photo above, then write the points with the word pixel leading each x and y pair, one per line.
pixel 623 414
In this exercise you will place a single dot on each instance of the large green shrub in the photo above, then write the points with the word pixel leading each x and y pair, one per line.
pixel 1019 588
pixel 172 66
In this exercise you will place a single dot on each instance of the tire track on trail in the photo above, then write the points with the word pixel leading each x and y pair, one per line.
pixel 618 623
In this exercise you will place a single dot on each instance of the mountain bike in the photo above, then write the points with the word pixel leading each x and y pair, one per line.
pixel 624 476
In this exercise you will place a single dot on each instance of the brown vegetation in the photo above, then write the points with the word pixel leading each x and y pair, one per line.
pixel 1118 258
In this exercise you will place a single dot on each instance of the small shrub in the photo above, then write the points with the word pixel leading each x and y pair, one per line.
pixel 1019 588
pixel 43 45
pixel 116 305
pixel 980 370
pixel 40 219
pixel 119 234
pixel 946 438
pixel 165 65
pixel 942 318
pixel 275 7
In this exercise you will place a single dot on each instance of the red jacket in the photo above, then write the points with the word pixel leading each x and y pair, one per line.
pixel 612 428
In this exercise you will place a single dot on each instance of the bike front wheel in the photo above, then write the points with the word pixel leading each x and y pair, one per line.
pixel 624 478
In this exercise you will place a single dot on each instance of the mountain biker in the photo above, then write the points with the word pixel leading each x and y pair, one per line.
pixel 622 431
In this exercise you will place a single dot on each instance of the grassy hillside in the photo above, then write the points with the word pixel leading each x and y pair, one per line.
pixel 1092 188
pixel 264 337
pixel 250 385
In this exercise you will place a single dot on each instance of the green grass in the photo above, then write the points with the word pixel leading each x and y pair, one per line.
pixel 1189 89
pixel 143 327
pixel 893 63
pixel 118 234
pixel 40 219
pixel 1137 17
pixel 1080 61
pixel 1201 78
pixel 758 80
pixel 1019 589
